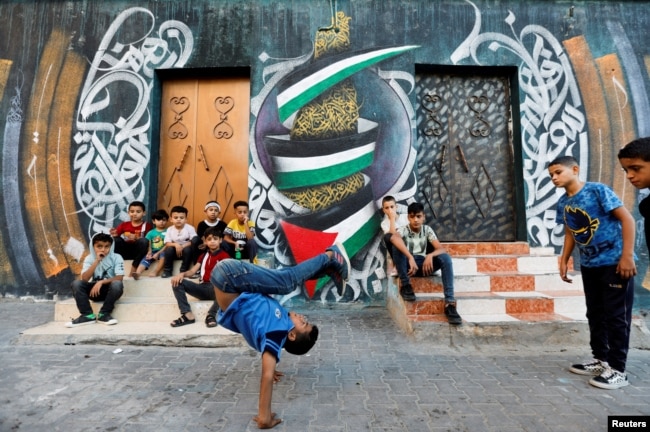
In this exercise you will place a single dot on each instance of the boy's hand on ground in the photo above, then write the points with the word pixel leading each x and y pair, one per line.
pixel 267 423
pixel 276 376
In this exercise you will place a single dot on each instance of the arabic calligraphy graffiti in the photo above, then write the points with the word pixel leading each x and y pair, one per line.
pixel 113 153
pixel 552 118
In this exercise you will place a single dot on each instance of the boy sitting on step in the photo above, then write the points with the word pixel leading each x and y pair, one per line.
pixel 243 292
pixel 100 280
pixel 156 239
pixel 178 242
pixel 181 286
pixel 417 236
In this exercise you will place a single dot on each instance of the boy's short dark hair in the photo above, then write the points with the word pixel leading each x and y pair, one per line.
pixel 303 343
pixel 179 209
pixel 415 208
pixel 213 231
pixel 137 204
pixel 102 237
pixel 637 149
pixel 160 214
pixel 388 198
pixel 567 161
pixel 239 203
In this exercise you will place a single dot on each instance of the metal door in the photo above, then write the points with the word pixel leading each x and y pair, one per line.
pixel 204 144
pixel 465 156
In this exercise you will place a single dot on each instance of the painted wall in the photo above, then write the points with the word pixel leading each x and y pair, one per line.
pixel 79 113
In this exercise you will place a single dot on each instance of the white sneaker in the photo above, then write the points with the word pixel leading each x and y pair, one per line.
pixel 590 367
pixel 610 379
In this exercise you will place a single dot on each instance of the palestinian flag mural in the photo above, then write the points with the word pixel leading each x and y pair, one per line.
pixel 321 159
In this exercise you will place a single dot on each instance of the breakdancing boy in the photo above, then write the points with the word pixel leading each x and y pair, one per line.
pixel 243 292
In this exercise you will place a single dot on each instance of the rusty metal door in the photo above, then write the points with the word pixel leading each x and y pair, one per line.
pixel 204 144
pixel 465 156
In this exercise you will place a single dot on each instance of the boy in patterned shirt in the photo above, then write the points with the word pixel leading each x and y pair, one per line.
pixel 596 222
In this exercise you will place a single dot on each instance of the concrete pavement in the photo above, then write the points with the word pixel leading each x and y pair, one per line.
pixel 362 375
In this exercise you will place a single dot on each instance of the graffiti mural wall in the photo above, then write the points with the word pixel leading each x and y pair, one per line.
pixel 332 121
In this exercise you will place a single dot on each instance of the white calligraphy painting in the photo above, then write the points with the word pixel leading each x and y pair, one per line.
pixel 113 122
pixel 552 116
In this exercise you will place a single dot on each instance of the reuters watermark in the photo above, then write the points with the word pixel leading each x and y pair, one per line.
pixel 628 423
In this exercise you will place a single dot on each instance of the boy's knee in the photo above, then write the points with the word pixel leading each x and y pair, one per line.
pixel 76 285
pixel 117 287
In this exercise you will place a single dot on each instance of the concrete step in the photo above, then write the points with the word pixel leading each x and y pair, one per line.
pixel 499 282
pixel 136 309
pixel 132 333
pixel 502 307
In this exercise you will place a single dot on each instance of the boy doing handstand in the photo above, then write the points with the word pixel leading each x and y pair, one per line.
pixel 243 293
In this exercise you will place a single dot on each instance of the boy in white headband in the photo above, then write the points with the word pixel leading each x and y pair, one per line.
pixel 212 211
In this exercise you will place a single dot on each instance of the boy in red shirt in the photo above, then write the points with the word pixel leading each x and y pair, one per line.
pixel 129 236
pixel 204 290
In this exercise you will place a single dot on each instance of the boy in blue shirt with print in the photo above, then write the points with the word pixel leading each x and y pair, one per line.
pixel 603 230
pixel 243 292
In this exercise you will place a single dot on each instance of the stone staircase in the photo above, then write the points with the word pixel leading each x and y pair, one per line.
pixel 143 312
pixel 501 289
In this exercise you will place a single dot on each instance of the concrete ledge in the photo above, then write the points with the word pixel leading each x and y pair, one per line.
pixel 131 333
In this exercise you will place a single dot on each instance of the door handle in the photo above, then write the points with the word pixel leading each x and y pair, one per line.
pixel 180 165
pixel 461 158
pixel 203 159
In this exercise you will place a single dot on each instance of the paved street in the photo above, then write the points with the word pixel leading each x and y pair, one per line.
pixel 363 375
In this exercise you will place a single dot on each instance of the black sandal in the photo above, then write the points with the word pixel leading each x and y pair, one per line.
pixel 181 321
pixel 210 321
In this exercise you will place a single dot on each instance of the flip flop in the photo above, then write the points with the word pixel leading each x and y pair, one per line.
pixel 181 321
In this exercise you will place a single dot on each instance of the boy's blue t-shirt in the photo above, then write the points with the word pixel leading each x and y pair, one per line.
pixel 260 319
pixel 588 216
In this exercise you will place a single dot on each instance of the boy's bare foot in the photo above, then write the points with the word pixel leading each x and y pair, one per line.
pixel 135 275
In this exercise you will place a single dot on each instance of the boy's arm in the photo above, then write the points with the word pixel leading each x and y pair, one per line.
pixel 176 280
pixel 397 241
pixel 265 418
pixel 250 231
pixel 88 273
pixel 567 249
pixel 626 267
pixel 427 266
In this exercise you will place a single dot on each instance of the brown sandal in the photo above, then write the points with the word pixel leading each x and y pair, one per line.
pixel 181 321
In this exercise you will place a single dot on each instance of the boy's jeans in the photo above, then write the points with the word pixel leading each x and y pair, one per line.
pixel 109 294
pixel 237 276
pixel 169 255
pixel 202 291
pixel 442 262
pixel 132 250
